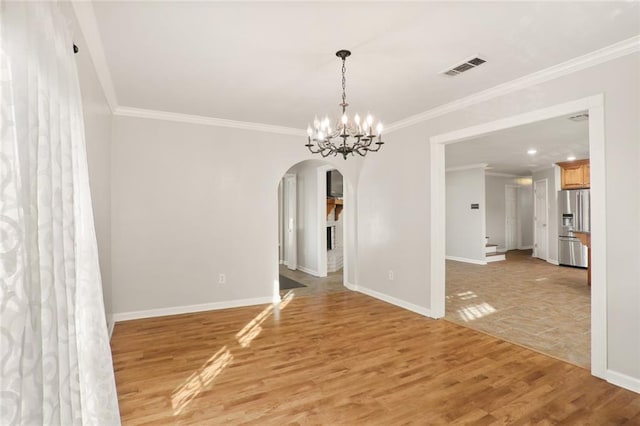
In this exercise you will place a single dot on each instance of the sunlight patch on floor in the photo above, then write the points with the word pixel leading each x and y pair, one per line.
pixel 253 328
pixel 466 295
pixel 473 312
pixel 198 381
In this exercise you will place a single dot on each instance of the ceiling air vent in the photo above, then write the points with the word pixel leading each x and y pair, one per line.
pixel 465 66
pixel 580 117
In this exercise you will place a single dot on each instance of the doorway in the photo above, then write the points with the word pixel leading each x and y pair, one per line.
pixel 511 217
pixel 595 108
pixel 313 231
pixel 541 219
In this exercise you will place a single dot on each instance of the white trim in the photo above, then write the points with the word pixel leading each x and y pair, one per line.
pixel 624 381
pixel 177 310
pixel 525 248
pixel 466 260
pixel 110 325
pixel 86 17
pixel 598 237
pixel 596 57
pixel 553 262
pixel 496 258
pixel 205 121
pixel 350 286
pixel 469 167
pixel 394 301
pixel 546 218
pixel 595 107
pixel 310 271
pixel 321 192
pixel 503 175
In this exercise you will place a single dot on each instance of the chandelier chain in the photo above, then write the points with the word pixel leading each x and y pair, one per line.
pixel 344 86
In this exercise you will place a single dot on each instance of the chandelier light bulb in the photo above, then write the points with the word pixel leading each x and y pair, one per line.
pixel 309 131
pixel 316 123
pixel 356 119
pixel 369 120
pixel 379 128
pixel 320 135
pixel 344 119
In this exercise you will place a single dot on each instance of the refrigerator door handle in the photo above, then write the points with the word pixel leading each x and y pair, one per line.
pixel 579 218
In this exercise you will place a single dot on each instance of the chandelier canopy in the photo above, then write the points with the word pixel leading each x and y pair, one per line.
pixel 349 136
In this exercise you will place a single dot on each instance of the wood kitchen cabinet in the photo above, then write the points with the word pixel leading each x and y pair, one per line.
pixel 575 174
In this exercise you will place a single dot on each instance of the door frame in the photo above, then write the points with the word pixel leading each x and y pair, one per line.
pixel 595 107
pixel 517 221
pixel 322 220
pixel 546 218
pixel 290 243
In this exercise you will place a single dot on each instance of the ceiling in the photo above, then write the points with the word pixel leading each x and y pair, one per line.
pixel 274 62
pixel 506 151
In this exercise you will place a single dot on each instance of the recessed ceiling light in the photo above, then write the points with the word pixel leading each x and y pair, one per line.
pixel 571 158
pixel 532 151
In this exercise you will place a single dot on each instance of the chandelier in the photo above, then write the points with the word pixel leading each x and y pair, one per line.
pixel 348 136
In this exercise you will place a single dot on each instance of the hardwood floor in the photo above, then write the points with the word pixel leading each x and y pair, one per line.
pixel 524 300
pixel 345 358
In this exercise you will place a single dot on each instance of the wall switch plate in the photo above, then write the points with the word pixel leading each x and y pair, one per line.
pixel 222 278
pixel 391 275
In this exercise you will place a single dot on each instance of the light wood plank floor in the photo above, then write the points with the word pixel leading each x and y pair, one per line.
pixel 527 301
pixel 345 358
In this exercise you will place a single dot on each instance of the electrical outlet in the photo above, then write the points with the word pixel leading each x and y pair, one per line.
pixel 222 278
pixel 390 275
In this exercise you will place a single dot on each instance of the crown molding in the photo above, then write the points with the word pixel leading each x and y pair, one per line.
pixel 468 167
pixel 206 121
pixel 594 58
pixel 498 174
pixel 86 17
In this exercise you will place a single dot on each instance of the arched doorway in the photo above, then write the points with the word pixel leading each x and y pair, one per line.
pixel 313 228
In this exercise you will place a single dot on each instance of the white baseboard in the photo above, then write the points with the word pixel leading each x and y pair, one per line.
pixel 624 381
pixel 465 260
pixel 351 286
pixel 496 258
pixel 390 299
pixel 553 262
pixel 282 262
pixel 525 248
pixel 310 271
pixel 176 310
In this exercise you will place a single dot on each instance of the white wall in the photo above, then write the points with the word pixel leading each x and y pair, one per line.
pixel 496 206
pixel 525 216
pixel 552 196
pixel 466 226
pixel 394 210
pixel 307 214
pixel 192 201
pixel 97 123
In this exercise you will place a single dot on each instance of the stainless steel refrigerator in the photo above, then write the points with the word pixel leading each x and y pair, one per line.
pixel 573 207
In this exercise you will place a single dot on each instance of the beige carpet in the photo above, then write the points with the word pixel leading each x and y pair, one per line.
pixel 524 300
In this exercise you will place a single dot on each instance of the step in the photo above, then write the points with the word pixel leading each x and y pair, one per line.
pixel 491 248
pixel 495 257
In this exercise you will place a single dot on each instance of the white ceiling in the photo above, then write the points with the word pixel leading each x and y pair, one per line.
pixel 506 151
pixel 274 63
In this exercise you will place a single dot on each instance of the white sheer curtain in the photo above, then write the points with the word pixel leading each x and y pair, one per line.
pixel 54 350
